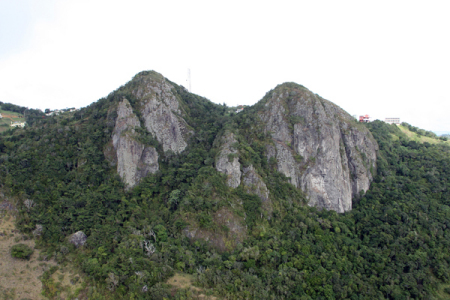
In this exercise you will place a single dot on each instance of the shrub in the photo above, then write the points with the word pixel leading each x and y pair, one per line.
pixel 21 251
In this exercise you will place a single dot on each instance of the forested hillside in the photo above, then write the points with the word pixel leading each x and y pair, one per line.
pixel 393 244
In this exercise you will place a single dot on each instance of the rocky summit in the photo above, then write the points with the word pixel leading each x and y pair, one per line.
pixel 319 147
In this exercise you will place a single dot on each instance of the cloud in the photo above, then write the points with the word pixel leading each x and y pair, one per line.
pixel 387 59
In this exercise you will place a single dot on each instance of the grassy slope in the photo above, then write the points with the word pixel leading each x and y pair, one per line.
pixel 8 117
pixel 420 138
pixel 185 282
pixel 21 279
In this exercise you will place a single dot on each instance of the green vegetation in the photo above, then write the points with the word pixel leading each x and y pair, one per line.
pixel 17 113
pixel 420 132
pixel 21 251
pixel 422 136
pixel 392 245
pixel 7 118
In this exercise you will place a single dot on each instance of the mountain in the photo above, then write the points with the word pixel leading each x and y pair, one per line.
pixel 289 198
pixel 320 147
pixel 323 150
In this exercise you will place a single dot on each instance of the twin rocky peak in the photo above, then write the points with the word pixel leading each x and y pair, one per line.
pixel 321 149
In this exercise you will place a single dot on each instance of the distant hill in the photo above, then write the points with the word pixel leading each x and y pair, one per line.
pixel 440 133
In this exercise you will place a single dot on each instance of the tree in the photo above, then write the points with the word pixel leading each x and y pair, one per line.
pixel 21 251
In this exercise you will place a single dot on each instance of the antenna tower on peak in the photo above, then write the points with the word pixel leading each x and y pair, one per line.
pixel 189 80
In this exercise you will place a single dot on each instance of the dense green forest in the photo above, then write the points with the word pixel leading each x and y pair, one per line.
pixel 394 244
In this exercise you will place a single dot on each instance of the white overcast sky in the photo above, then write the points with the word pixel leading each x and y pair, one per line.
pixel 382 58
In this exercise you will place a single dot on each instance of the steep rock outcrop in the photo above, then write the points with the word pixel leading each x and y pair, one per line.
pixel 362 165
pixel 161 111
pixel 253 184
pixel 227 161
pixel 323 150
pixel 134 160
pixel 285 160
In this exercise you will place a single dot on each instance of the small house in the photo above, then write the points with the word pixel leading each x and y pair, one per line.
pixel 392 120
pixel 364 119
pixel 18 124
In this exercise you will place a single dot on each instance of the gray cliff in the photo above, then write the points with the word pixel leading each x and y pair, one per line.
pixel 227 161
pixel 254 184
pixel 317 145
pixel 161 111
pixel 323 150
pixel 134 160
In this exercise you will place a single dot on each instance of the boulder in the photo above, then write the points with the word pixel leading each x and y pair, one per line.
pixel 78 239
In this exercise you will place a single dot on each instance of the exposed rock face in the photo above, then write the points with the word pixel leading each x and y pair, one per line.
pixel 227 161
pixel 361 166
pixel 161 111
pixel 78 239
pixel 254 184
pixel 323 150
pixel 285 160
pixel 222 241
pixel 134 159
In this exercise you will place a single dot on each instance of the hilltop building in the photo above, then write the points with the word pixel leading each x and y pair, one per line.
pixel 364 119
pixel 392 120
pixel 59 111
pixel 240 108
pixel 54 112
